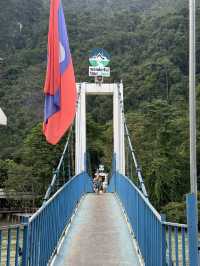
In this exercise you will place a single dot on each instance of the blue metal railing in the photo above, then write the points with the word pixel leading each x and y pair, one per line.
pixel 13 245
pixel 176 244
pixel 34 242
pixel 161 243
pixel 47 225
pixel 149 227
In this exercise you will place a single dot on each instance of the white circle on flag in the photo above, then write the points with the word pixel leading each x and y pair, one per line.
pixel 62 53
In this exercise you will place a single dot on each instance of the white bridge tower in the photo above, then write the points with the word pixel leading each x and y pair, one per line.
pixel 115 89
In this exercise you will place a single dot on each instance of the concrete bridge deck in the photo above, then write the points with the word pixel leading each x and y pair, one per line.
pixel 98 236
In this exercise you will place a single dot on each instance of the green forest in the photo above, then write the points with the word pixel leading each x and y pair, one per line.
pixel 148 44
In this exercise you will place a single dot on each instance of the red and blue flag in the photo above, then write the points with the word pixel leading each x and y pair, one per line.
pixel 60 85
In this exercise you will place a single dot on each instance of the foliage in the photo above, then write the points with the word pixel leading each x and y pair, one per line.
pixel 148 42
pixel 161 130
pixel 34 163
pixel 99 139
pixel 176 211
pixel 42 156
pixel 3 172
pixel 20 178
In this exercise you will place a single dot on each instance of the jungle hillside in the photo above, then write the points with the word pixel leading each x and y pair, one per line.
pixel 148 44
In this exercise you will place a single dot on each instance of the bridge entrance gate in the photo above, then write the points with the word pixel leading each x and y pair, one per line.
pixel 115 89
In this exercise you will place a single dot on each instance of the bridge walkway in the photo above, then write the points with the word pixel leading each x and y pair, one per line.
pixel 98 236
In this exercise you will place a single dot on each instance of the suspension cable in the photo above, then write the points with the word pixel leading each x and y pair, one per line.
pixel 49 190
pixel 137 166
pixel 54 178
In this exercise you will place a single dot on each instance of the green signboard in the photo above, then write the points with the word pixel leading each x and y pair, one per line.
pixel 99 60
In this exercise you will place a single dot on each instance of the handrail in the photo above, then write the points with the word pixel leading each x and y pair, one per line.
pixel 52 198
pixel 153 209
pixel 12 226
pixel 155 212
pixel 158 240
pixel 47 225
pixel 175 224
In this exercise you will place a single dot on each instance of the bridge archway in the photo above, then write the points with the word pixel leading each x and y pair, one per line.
pixel 115 89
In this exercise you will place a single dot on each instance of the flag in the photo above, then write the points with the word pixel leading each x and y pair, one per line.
pixel 60 86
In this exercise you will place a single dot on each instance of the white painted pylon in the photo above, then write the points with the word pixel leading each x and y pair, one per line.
pixel 112 89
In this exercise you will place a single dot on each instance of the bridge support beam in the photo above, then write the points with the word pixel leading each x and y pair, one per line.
pixel 118 128
pixel 115 89
pixel 80 129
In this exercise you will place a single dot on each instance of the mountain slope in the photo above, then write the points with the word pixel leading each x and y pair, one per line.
pixel 148 43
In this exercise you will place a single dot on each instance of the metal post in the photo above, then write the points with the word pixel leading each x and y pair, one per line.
pixel 192 99
pixel 25 245
pixel 116 127
pixel 192 212
pixel 77 131
pixel 81 128
pixel 114 170
pixel 8 248
pixel 85 162
pixel 163 240
pixel 192 229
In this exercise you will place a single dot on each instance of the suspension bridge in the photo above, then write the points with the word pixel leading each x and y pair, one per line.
pixel 75 226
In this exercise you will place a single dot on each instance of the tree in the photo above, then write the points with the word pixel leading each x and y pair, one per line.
pixel 41 156
pixel 20 178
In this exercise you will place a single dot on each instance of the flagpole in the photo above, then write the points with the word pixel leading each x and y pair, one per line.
pixel 192 199
pixel 192 210
pixel 192 97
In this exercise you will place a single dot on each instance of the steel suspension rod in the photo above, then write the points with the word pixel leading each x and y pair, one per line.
pixel 137 167
pixel 49 190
